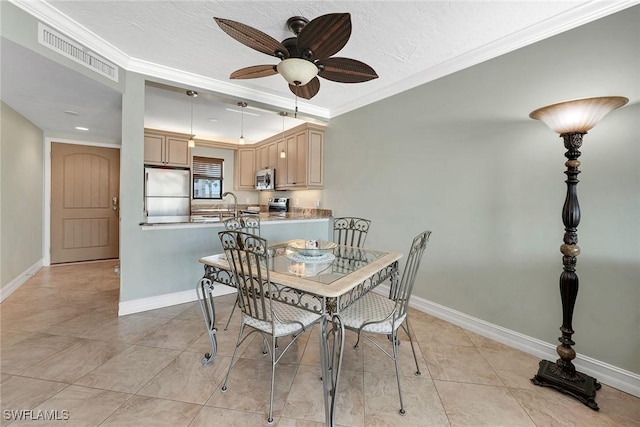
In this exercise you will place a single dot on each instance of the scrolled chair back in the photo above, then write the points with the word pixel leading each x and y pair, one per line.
pixel 402 291
pixel 247 255
pixel 247 223
pixel 350 231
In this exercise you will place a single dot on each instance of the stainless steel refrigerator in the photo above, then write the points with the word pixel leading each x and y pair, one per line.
pixel 166 192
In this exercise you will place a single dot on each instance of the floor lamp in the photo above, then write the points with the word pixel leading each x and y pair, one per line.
pixel 572 120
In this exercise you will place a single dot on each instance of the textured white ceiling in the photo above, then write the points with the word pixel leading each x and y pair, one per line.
pixel 407 42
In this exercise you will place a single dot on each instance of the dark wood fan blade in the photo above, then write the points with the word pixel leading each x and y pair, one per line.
pixel 345 70
pixel 307 91
pixel 254 72
pixel 253 38
pixel 325 35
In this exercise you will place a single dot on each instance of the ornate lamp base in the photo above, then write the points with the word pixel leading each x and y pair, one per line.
pixel 581 386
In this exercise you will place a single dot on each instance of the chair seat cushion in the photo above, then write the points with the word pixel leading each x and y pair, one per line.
pixel 287 322
pixel 371 307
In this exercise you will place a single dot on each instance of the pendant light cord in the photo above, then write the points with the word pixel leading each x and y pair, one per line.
pixel 192 94
pixel 191 134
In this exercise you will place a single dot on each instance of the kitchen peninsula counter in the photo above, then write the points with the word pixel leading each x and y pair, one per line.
pixel 215 221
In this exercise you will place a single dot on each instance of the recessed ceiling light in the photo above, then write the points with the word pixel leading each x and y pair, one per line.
pixel 81 128
pixel 71 112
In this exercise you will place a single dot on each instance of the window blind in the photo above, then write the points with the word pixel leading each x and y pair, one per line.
pixel 207 167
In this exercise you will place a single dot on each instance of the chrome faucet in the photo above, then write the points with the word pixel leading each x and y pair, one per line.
pixel 235 202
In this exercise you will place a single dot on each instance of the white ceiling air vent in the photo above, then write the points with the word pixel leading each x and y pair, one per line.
pixel 78 53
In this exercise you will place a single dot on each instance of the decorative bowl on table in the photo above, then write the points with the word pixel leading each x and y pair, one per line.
pixel 311 248
pixel 310 257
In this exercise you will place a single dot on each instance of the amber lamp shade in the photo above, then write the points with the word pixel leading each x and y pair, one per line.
pixel 578 115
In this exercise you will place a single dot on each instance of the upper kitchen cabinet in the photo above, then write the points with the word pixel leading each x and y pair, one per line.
pixel 166 149
pixel 302 164
pixel 266 156
pixel 245 169
pixel 304 151
pixel 281 169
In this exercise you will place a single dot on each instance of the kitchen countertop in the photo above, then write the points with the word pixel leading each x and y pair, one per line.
pixel 166 222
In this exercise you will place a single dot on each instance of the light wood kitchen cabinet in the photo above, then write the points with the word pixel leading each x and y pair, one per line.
pixel 281 170
pixel 302 166
pixel 297 160
pixel 166 149
pixel 245 169
pixel 304 159
pixel 266 156
pixel 261 157
pixel 315 154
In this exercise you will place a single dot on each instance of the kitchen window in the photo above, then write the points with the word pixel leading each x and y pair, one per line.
pixel 207 178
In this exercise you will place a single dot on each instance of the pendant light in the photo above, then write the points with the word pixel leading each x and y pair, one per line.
pixel 241 105
pixel 283 154
pixel 192 94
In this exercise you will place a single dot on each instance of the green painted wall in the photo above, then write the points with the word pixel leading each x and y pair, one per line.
pixel 22 187
pixel 460 156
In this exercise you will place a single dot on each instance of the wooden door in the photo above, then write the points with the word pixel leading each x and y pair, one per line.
pixel 85 184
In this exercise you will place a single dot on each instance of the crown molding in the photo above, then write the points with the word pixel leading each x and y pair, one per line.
pixel 46 13
pixel 560 23
pixel 206 83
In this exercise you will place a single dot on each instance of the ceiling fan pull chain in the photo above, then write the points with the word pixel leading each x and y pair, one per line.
pixel 295 114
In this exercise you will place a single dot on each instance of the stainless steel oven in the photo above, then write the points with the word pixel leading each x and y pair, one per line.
pixel 266 179
pixel 278 206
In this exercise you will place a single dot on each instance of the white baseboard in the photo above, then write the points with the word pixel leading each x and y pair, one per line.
pixel 627 381
pixel 161 301
pixel 13 285
pixel 613 376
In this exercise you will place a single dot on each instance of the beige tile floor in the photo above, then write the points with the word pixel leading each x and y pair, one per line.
pixel 64 348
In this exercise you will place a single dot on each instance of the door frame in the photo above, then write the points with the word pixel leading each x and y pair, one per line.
pixel 46 238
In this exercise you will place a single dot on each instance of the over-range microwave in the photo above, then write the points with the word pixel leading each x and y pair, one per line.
pixel 266 179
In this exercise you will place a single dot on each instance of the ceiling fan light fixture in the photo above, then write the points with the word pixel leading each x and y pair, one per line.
pixel 305 57
pixel 296 71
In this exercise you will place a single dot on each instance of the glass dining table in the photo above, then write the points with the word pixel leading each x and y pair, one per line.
pixel 324 283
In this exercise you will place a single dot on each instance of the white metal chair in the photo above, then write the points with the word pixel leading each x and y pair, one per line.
pixel 350 231
pixel 248 257
pixel 377 314
pixel 249 224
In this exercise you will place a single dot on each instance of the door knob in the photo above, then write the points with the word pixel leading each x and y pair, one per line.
pixel 114 203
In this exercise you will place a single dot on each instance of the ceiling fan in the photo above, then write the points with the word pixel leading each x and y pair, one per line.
pixel 305 56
